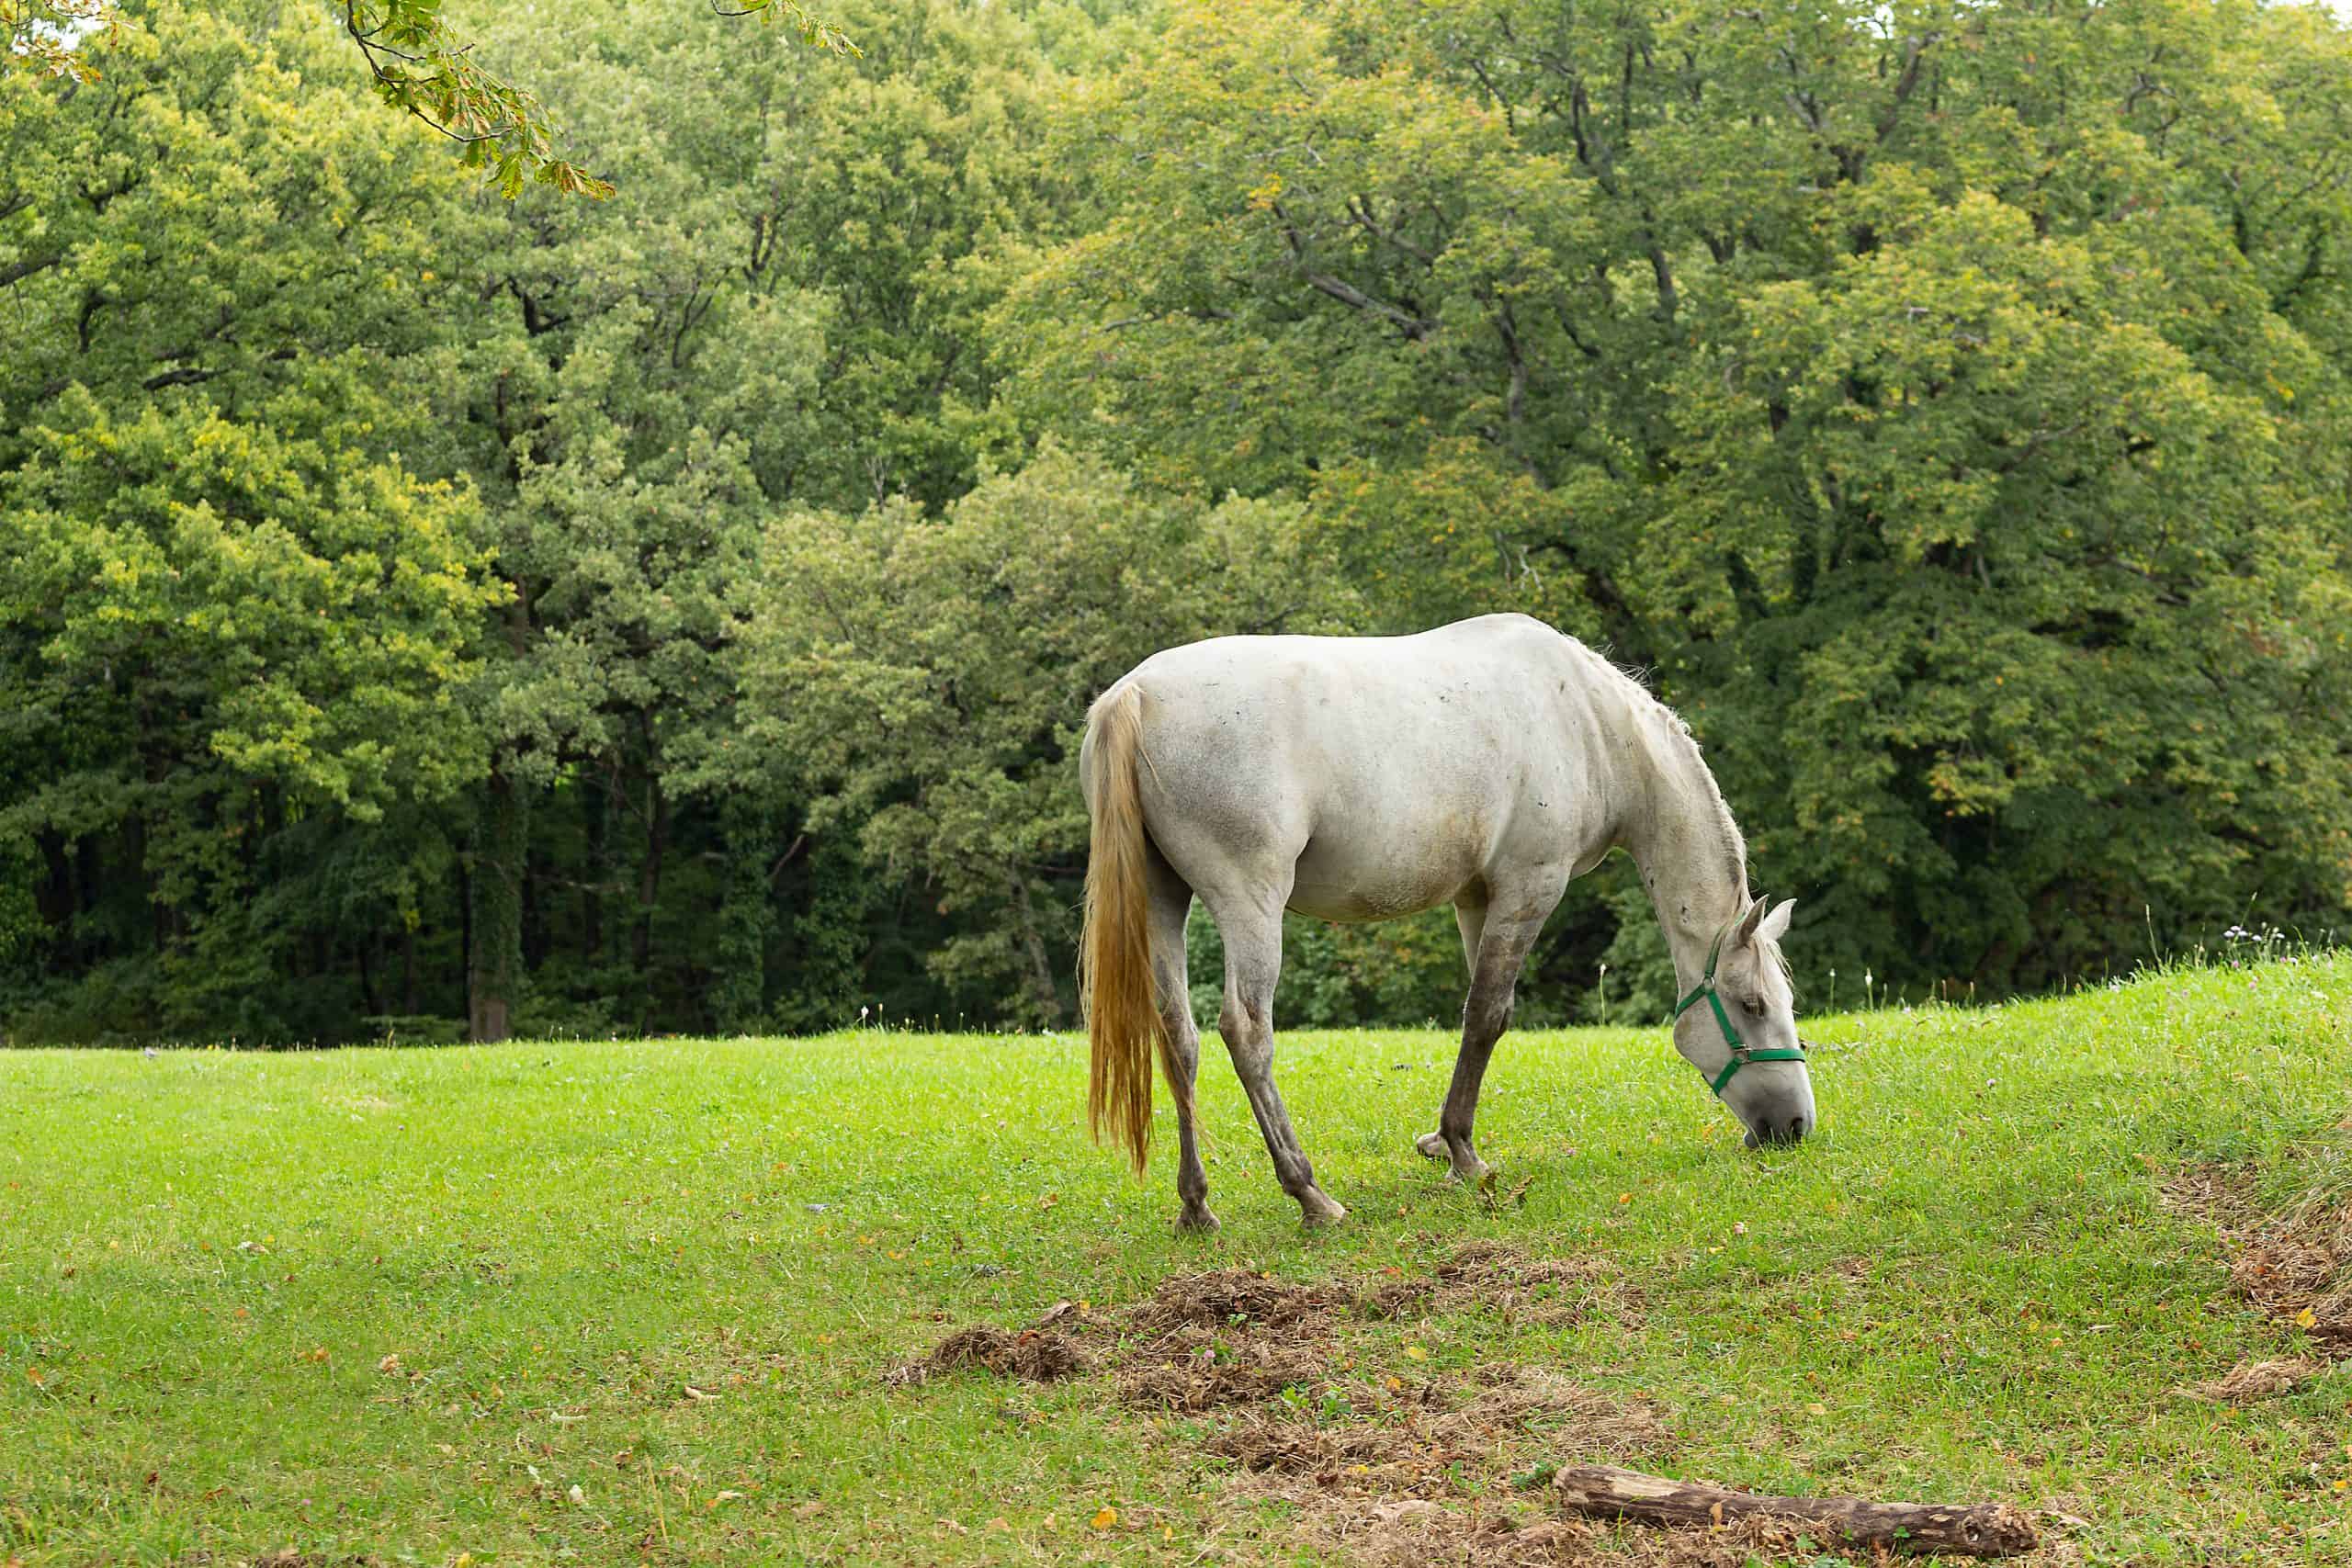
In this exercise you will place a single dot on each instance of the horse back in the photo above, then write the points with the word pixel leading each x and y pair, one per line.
pixel 1383 774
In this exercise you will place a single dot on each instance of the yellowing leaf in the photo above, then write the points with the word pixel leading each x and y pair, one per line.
pixel 1105 1519
pixel 2304 1319
pixel 1414 1353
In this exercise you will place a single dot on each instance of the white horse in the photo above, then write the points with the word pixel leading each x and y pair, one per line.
pixel 1482 764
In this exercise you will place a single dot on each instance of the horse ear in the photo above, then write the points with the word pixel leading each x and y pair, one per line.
pixel 1745 931
pixel 1776 924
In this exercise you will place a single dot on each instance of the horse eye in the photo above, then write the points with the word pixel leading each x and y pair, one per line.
pixel 1754 1007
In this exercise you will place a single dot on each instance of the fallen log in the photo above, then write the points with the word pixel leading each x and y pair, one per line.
pixel 1982 1529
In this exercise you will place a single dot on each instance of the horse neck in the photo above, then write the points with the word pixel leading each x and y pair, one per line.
pixel 1689 855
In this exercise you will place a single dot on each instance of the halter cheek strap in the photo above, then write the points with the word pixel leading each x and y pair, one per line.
pixel 1741 1052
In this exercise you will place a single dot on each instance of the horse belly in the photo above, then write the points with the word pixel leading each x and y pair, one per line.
pixel 1378 871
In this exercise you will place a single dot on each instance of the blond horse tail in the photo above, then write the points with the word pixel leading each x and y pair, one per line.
pixel 1123 1020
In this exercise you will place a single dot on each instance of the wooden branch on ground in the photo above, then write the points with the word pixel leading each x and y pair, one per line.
pixel 1983 1529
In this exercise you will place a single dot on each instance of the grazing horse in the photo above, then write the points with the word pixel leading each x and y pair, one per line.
pixel 1483 765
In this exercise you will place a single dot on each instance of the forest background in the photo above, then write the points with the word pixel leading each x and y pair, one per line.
pixel 426 612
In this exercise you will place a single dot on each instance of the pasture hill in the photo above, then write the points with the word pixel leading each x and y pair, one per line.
pixel 873 1298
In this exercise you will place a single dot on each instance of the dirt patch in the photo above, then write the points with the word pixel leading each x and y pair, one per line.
pixel 1031 1355
pixel 1268 1374
pixel 2294 1263
pixel 1189 1370
pixel 1491 1276
pixel 1353 1438
pixel 1390 1469
pixel 1415 1532
pixel 2254 1380
pixel 1235 1298
pixel 1203 1342
pixel 1419 1533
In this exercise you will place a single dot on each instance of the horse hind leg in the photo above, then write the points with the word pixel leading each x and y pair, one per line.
pixel 1502 947
pixel 1470 918
pixel 1171 904
pixel 1253 962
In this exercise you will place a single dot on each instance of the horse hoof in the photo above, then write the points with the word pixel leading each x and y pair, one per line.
pixel 1434 1146
pixel 1316 1212
pixel 1196 1221
pixel 1471 1175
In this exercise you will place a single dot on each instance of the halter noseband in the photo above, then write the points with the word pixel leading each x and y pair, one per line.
pixel 1741 1052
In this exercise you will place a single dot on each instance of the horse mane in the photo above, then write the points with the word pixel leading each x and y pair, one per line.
pixel 1676 732
pixel 1734 846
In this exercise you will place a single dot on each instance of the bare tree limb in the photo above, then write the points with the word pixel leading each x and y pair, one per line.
pixel 1983 1529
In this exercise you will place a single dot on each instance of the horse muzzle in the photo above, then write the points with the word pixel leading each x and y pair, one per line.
pixel 1778 1133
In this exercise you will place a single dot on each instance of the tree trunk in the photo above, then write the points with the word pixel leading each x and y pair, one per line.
pixel 360 947
pixel 1983 1529
pixel 408 968
pixel 648 878
pixel 466 935
pixel 494 969
pixel 597 805
pixel 1033 946
pixel 533 922
pixel 737 989
pixel 657 839
pixel 54 895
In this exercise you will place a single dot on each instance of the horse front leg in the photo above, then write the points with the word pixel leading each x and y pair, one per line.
pixel 1253 962
pixel 1502 947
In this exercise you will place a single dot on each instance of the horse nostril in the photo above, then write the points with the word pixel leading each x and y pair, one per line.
pixel 1796 1129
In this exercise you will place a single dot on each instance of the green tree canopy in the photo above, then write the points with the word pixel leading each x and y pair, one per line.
pixel 1944 401
pixel 430 610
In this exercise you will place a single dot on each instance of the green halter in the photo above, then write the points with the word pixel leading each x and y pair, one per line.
pixel 1741 1052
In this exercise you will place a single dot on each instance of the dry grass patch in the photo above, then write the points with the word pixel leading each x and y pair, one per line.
pixel 1029 1355
pixel 2291 1262
pixel 2254 1380
pixel 1357 1437
pixel 1268 1369
pixel 1416 1533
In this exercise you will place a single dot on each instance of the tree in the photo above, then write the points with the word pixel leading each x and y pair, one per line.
pixel 50 38
pixel 421 64
pixel 1941 400
pixel 930 678
pixel 219 630
pixel 245 594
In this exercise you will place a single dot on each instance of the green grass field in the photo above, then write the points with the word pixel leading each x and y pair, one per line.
pixel 669 1275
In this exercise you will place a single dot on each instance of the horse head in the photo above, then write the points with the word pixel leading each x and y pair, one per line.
pixel 1738 1027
